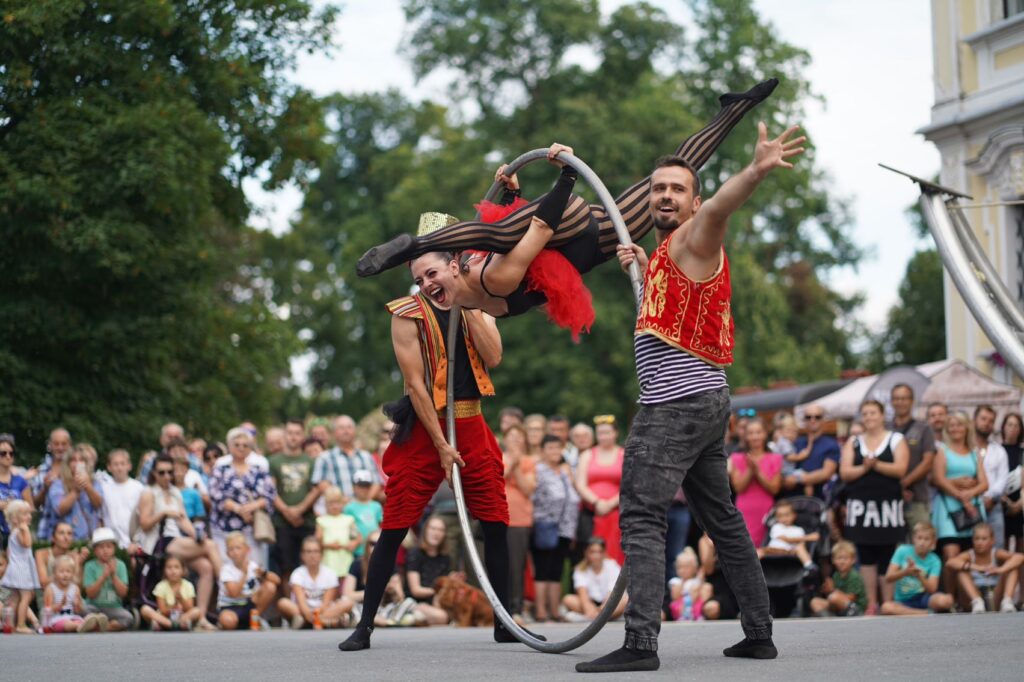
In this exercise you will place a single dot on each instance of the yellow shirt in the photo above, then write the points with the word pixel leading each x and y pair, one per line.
pixel 164 591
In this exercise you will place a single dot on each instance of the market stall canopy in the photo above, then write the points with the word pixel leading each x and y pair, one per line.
pixel 952 382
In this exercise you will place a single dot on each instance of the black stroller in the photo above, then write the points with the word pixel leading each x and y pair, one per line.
pixel 788 585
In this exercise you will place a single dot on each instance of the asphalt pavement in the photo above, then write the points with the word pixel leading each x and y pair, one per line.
pixel 954 647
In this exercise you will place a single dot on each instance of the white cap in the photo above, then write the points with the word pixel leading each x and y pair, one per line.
pixel 103 535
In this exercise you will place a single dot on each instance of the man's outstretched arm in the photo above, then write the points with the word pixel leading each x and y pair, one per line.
pixel 707 232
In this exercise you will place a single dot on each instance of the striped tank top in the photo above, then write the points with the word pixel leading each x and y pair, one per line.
pixel 667 374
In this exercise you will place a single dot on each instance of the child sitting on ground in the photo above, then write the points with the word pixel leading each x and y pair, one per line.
pixel 21 577
pixel 983 568
pixel 105 579
pixel 337 533
pixel 788 539
pixel 915 569
pixel 244 586
pixel 688 591
pixel 845 591
pixel 64 600
pixel 593 579
pixel 314 598
pixel 175 600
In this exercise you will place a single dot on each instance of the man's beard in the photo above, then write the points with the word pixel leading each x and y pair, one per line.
pixel 983 434
pixel 665 223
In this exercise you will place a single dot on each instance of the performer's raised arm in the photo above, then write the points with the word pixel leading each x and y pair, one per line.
pixel 699 251
pixel 486 338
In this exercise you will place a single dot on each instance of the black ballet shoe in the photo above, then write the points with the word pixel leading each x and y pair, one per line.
pixel 503 636
pixel 358 640
pixel 756 94
pixel 622 661
pixel 752 648
pixel 387 255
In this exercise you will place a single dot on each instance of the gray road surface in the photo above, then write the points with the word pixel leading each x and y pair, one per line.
pixel 934 648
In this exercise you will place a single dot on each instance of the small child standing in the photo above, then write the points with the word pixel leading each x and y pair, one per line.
pixel 337 533
pixel 175 600
pixel 64 600
pixel 687 590
pixel 915 569
pixel 244 586
pixel 105 579
pixel 788 539
pixel 367 512
pixel 21 578
pixel 846 593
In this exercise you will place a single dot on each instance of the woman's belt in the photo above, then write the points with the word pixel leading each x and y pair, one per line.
pixel 463 409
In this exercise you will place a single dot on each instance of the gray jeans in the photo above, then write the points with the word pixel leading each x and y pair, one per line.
pixel 669 444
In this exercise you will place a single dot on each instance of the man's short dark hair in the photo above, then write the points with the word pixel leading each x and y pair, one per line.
pixel 511 411
pixel 296 420
pixel 906 386
pixel 984 408
pixel 561 419
pixel 679 162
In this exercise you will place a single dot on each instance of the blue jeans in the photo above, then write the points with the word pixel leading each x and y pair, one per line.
pixel 668 445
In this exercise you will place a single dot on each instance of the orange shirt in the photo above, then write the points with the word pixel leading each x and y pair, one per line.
pixel 520 507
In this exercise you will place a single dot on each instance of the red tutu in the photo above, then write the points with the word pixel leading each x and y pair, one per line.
pixel 570 304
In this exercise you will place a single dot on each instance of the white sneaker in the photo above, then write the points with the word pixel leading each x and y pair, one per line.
pixel 977 605
pixel 573 617
pixel 297 621
pixel 1007 606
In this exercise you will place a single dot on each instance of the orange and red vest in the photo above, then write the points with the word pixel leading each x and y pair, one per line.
pixel 694 317
pixel 435 358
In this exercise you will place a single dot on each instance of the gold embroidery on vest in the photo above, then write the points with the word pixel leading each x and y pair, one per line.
pixel 654 299
pixel 724 337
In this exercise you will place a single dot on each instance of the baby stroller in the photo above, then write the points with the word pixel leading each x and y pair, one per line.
pixel 789 585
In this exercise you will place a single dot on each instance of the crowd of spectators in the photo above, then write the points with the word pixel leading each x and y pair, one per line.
pixel 275 529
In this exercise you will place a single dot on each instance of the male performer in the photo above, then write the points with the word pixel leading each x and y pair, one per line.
pixel 419 456
pixel 683 341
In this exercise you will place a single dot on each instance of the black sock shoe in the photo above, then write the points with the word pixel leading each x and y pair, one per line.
pixel 758 93
pixel 621 661
pixel 503 636
pixel 386 255
pixel 752 648
pixel 358 640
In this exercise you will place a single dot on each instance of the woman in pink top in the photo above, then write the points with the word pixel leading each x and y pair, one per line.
pixel 756 476
pixel 598 477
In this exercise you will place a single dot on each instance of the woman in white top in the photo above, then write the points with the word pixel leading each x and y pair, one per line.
pixel 163 520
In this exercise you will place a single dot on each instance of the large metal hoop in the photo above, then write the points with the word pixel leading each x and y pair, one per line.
pixel 460 502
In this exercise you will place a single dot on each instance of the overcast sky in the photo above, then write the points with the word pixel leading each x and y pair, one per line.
pixel 871 60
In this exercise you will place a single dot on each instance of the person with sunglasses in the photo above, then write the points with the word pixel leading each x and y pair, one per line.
pixel 12 486
pixel 166 528
pixel 817 457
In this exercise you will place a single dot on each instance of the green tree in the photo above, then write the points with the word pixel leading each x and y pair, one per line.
pixel 915 330
pixel 126 130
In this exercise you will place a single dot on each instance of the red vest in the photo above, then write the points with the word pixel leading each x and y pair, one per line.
pixel 435 359
pixel 695 317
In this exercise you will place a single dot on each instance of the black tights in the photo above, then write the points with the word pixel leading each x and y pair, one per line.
pixel 382 565
pixel 502 236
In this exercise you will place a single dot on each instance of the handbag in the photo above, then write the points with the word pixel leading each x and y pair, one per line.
pixel 262 527
pixel 962 521
pixel 545 533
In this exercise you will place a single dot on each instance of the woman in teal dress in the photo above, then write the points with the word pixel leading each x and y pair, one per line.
pixel 959 477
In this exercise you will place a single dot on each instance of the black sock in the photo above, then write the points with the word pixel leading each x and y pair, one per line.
pixel 620 661
pixel 752 648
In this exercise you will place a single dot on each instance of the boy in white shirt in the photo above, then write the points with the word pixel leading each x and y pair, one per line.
pixel 121 495
pixel 246 590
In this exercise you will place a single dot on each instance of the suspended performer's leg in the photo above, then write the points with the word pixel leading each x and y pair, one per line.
pixel 696 150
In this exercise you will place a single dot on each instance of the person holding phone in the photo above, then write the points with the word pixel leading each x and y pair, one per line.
pixel 73 498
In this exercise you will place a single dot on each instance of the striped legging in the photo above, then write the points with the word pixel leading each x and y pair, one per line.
pixel 502 236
